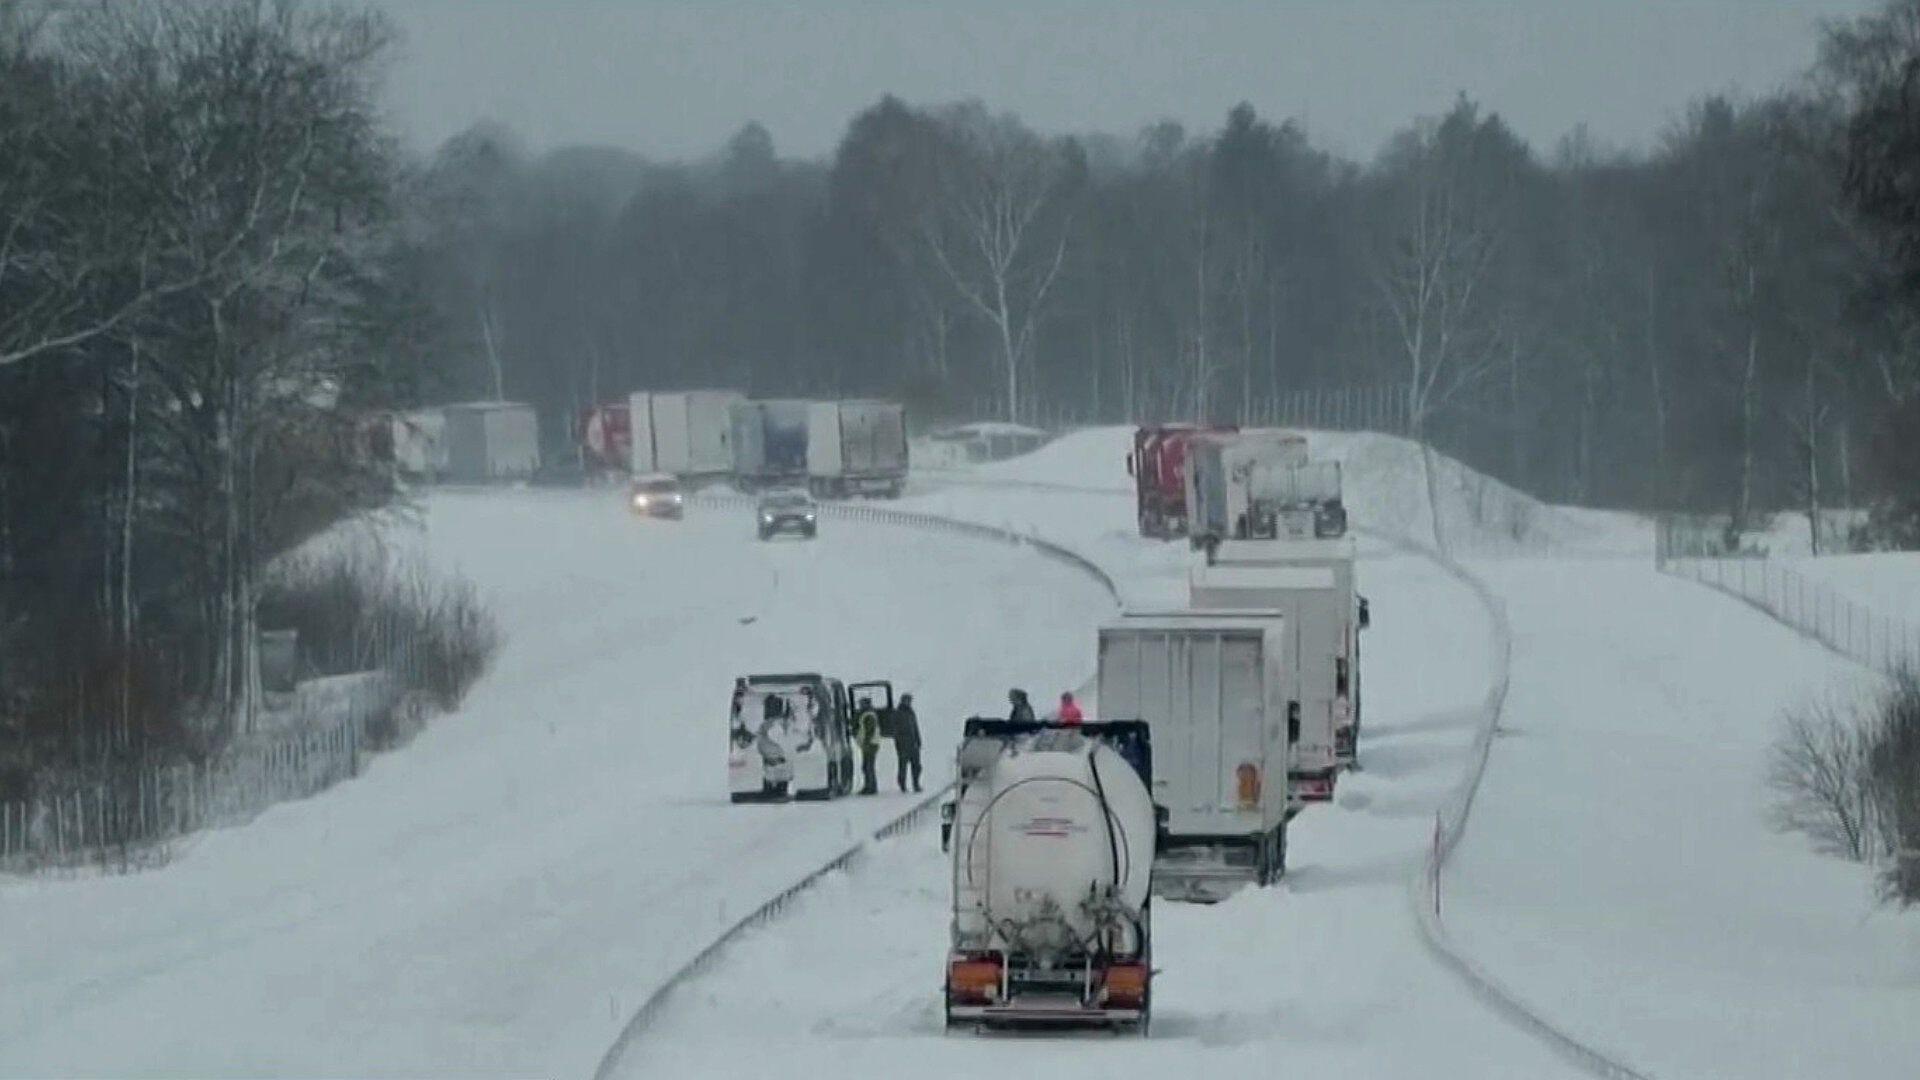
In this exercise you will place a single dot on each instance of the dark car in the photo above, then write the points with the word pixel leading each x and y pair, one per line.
pixel 657 495
pixel 787 511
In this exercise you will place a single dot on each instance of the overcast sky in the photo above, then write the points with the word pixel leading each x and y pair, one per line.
pixel 673 79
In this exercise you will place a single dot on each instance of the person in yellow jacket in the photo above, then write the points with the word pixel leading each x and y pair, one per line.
pixel 866 732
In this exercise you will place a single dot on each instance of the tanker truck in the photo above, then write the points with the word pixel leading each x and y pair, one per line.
pixel 1295 501
pixel 1217 472
pixel 1052 832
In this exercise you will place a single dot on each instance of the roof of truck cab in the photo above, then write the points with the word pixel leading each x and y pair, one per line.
pixel 802 677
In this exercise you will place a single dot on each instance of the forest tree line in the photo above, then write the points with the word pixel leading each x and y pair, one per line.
pixel 1716 322
pixel 216 262
pixel 200 294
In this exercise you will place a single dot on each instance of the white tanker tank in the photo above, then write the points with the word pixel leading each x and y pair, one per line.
pixel 1053 833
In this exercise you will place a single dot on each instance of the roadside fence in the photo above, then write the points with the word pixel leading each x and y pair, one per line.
pixel 116 821
pixel 1381 408
pixel 1818 610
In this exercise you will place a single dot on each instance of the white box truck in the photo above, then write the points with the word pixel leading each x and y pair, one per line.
pixel 1212 686
pixel 684 433
pixel 1315 582
pixel 770 443
pixel 856 447
pixel 491 440
pixel 1217 473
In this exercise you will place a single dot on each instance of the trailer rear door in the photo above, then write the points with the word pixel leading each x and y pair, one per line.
pixel 1202 693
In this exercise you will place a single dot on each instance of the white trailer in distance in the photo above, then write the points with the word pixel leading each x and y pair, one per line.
pixel 687 433
pixel 1313 582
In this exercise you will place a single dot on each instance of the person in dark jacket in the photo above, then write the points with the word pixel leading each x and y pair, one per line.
pixel 866 730
pixel 1022 710
pixel 906 742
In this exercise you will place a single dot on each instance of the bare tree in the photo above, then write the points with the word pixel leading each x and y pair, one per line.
pixel 999 233
pixel 1432 277
pixel 1819 774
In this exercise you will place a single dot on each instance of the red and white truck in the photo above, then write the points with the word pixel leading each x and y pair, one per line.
pixel 1158 467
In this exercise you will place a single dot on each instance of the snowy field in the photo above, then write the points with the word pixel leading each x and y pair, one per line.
pixel 1619 871
pixel 497 897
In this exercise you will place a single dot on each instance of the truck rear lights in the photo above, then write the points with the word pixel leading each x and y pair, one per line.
pixel 1125 986
pixel 1247 785
pixel 973 980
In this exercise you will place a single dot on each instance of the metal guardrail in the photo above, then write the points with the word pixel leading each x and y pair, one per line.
pixel 650 1010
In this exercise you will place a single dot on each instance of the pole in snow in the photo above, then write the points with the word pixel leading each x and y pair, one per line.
pixel 1436 864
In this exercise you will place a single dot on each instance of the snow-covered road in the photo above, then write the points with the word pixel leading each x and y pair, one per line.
pixel 496 898
pixel 1323 975
pixel 500 896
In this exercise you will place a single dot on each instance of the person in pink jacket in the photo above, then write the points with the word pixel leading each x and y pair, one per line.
pixel 1069 710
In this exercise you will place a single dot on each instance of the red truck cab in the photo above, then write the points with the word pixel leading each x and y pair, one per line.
pixel 1158 467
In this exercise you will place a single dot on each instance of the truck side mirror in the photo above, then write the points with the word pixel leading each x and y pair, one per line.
pixel 946 826
pixel 1129 464
pixel 1160 820
pixel 1293 722
pixel 1366 615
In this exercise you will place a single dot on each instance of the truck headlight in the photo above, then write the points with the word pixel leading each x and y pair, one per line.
pixel 640 501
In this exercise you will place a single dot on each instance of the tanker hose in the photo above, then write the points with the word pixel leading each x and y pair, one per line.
pixel 1106 813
